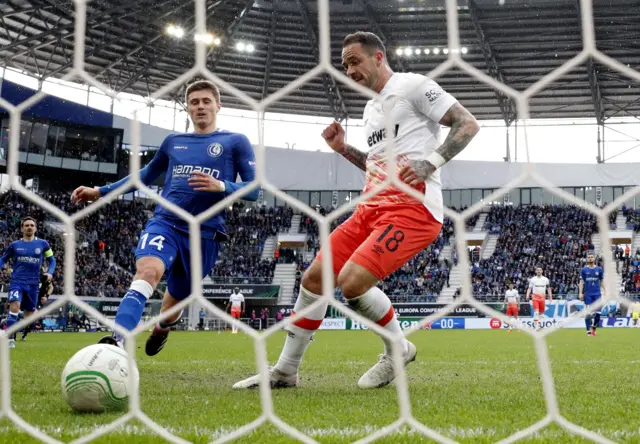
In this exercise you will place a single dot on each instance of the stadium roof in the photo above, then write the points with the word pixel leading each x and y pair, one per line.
pixel 128 48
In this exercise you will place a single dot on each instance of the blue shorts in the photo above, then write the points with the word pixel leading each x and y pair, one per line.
pixel 591 299
pixel 26 294
pixel 171 246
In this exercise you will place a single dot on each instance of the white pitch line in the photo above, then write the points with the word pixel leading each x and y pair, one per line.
pixel 319 432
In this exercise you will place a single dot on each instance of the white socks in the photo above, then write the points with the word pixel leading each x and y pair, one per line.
pixel 299 334
pixel 375 305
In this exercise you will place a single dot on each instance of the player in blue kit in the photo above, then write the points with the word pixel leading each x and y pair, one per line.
pixel 591 283
pixel 201 169
pixel 28 255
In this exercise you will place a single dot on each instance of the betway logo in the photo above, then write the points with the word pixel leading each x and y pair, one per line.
pixel 380 135
pixel 187 170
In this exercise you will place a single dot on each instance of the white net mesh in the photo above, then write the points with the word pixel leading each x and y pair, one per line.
pixel 325 66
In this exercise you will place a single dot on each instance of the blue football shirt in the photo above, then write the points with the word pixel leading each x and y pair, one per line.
pixel 28 257
pixel 592 278
pixel 222 154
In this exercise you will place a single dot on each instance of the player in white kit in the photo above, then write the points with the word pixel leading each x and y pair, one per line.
pixel 512 299
pixel 539 286
pixel 390 228
pixel 236 305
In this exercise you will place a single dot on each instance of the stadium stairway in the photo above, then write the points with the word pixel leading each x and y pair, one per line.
pixel 455 282
pixel 447 251
pixel 489 247
pixel 621 221
pixel 597 246
pixel 295 224
pixel 269 248
pixel 479 226
pixel 285 276
pixel 636 243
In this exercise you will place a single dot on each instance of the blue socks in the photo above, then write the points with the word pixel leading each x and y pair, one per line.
pixel 132 305
pixel 587 322
pixel 130 310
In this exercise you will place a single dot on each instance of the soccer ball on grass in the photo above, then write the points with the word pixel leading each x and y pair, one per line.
pixel 96 379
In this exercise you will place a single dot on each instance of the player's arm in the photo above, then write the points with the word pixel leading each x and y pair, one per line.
pixel 431 100
pixel 581 286
pixel 334 136
pixel 528 292
pixel 604 290
pixel 148 174
pixel 549 292
pixel 242 307
pixel 8 254
pixel 245 163
pixel 48 254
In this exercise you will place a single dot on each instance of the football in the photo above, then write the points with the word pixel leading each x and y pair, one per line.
pixel 96 379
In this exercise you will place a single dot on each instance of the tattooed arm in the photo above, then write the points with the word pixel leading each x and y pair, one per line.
pixel 355 156
pixel 463 128
pixel 334 136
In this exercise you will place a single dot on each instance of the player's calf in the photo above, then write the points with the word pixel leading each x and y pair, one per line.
pixel 148 274
pixel 596 322
pixel 12 319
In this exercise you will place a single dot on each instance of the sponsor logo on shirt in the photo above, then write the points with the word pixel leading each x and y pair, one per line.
pixel 187 170
pixel 433 94
pixel 29 260
pixel 380 135
pixel 180 147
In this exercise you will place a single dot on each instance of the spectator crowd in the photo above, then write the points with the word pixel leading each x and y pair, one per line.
pixel 554 237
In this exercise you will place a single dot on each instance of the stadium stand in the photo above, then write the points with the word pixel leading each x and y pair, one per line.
pixel 107 240
pixel 248 228
pixel 554 237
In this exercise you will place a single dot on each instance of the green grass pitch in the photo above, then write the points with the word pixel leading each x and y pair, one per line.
pixel 473 386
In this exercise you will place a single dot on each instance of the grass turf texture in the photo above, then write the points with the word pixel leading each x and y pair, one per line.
pixel 473 386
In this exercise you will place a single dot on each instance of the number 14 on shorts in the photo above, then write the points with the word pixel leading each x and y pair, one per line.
pixel 156 241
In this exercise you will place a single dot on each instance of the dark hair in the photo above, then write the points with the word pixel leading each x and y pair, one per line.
pixel 368 40
pixel 203 85
pixel 26 219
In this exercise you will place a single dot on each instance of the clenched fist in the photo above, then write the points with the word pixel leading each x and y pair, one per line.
pixel 334 136
pixel 84 194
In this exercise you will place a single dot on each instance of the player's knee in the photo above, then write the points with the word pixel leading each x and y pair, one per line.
pixel 354 280
pixel 351 286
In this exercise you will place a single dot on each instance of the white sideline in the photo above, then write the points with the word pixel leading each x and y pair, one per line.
pixel 331 432
pixel 324 65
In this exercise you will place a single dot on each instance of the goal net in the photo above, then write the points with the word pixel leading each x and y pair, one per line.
pixel 325 66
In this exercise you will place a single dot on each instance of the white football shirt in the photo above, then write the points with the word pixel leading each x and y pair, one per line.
pixel 512 296
pixel 236 300
pixel 415 104
pixel 538 285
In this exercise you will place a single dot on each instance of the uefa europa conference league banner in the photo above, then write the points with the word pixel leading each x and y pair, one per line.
pixel 247 290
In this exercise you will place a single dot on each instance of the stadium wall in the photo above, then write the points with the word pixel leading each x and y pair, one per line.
pixel 149 135
pixel 51 107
